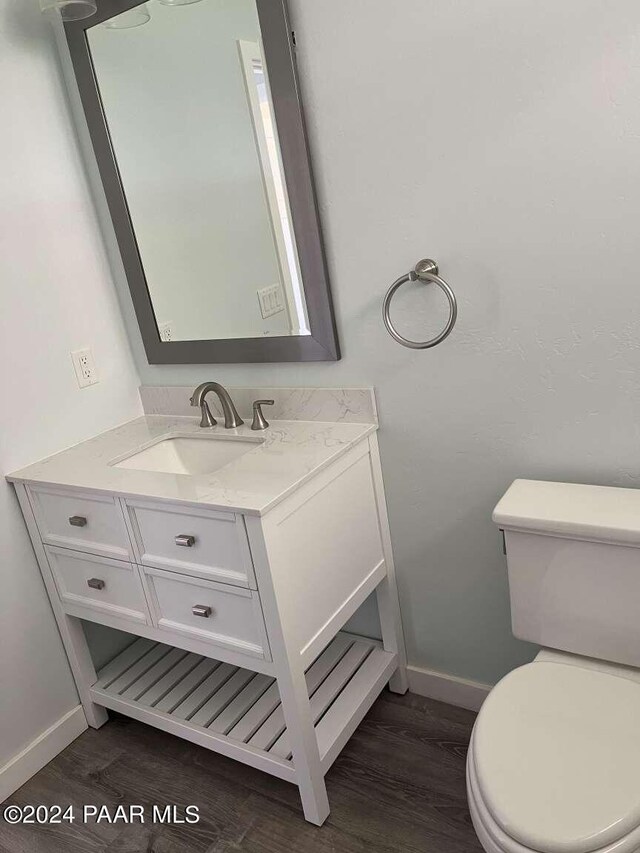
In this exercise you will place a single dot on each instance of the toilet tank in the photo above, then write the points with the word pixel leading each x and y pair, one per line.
pixel 573 556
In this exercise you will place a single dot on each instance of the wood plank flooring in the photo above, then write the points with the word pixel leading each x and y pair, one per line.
pixel 398 787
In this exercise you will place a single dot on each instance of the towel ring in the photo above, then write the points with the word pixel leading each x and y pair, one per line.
pixel 426 271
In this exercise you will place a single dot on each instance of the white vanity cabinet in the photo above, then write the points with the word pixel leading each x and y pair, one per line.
pixel 237 617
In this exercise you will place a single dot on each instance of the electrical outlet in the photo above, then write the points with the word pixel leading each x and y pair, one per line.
pixel 166 332
pixel 271 300
pixel 85 367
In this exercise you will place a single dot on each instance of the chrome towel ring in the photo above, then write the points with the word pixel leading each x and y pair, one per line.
pixel 426 271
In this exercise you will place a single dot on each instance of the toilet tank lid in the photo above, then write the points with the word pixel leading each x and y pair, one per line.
pixel 600 513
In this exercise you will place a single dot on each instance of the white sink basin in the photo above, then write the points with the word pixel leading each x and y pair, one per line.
pixel 179 455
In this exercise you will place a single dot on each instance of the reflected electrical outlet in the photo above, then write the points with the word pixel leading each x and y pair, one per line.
pixel 166 331
pixel 271 300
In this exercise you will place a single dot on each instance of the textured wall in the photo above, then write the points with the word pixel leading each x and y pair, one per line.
pixel 56 295
pixel 500 138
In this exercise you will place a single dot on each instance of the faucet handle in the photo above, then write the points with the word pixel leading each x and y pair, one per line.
pixel 207 419
pixel 259 420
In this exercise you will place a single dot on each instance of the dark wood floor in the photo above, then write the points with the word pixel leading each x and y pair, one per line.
pixel 398 787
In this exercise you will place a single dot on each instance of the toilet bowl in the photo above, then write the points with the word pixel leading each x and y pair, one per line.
pixel 554 760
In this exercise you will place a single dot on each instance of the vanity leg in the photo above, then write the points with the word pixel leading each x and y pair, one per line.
pixel 77 649
pixel 304 746
pixel 387 591
pixel 392 638
pixel 73 638
pixel 292 685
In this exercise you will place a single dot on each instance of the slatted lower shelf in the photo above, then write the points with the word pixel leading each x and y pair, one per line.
pixel 238 712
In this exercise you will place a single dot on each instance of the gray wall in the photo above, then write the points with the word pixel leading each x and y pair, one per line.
pixel 500 138
pixel 56 295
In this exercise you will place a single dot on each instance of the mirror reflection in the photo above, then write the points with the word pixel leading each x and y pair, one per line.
pixel 186 96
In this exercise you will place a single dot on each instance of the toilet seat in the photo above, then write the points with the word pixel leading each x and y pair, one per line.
pixel 554 762
pixel 495 840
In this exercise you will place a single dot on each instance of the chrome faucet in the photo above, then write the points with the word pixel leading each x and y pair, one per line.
pixel 231 417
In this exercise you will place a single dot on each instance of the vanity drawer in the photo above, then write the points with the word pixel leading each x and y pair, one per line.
pixel 230 617
pixel 199 542
pixel 92 523
pixel 107 586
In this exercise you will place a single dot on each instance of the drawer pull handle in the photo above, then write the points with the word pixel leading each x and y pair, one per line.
pixel 78 521
pixel 96 583
pixel 201 610
pixel 185 541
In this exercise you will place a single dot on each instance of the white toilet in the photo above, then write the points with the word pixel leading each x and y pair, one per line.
pixel 554 760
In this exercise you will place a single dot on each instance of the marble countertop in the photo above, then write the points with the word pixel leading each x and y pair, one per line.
pixel 291 453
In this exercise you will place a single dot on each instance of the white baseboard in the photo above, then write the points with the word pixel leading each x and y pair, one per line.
pixel 41 751
pixel 447 688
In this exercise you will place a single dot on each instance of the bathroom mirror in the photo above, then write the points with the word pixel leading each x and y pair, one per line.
pixel 194 113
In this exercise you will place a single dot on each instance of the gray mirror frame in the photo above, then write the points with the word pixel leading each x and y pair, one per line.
pixel 279 49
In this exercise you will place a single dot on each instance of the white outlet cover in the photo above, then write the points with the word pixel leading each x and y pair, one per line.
pixel 84 367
